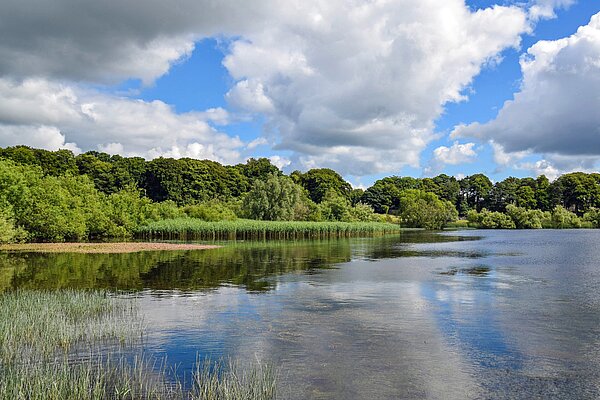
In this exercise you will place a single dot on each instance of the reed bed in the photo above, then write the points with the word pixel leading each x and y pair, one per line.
pixel 40 325
pixel 60 345
pixel 195 229
pixel 104 378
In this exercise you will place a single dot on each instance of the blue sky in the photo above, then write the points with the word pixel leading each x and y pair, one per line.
pixel 310 87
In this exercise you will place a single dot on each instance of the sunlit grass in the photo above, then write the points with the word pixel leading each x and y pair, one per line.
pixel 195 229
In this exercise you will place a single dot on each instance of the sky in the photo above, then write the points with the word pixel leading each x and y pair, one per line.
pixel 369 88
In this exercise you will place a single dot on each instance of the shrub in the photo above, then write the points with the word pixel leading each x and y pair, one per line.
pixel 210 211
pixel 563 218
pixel 490 220
pixel 524 218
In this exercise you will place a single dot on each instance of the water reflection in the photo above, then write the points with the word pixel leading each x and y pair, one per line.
pixel 495 314
pixel 244 264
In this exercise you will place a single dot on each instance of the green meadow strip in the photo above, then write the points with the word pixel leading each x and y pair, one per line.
pixel 195 229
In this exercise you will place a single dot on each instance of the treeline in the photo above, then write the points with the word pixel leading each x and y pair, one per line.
pixel 55 195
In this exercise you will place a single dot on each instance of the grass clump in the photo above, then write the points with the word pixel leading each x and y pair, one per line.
pixel 195 229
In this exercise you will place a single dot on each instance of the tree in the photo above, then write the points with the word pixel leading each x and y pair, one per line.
pixel 425 210
pixel 475 189
pixel 319 182
pixel 274 199
pixel 577 192
pixel 259 168
pixel 383 197
pixel 542 193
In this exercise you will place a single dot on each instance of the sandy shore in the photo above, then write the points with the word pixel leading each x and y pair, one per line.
pixel 102 248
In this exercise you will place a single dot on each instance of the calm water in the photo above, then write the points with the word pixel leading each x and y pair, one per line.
pixel 470 314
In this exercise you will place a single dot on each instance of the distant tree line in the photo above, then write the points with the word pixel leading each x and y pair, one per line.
pixel 55 195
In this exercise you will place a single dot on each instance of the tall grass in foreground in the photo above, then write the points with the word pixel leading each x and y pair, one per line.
pixel 105 378
pixel 195 229
pixel 37 326
pixel 53 345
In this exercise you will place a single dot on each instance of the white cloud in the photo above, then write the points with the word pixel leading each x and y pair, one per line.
pixel 40 136
pixel 556 111
pixel 453 155
pixel 357 86
pixel 456 154
pixel 260 141
pixel 280 162
pixel 45 114
pixel 545 9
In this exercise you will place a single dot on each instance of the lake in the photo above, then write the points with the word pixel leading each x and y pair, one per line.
pixel 455 315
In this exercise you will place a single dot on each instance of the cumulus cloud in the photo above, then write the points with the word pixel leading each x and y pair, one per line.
pixel 545 9
pixel 456 154
pixel 357 86
pixel 50 115
pixel 551 165
pixel 556 111
pixel 351 85
pixel 39 136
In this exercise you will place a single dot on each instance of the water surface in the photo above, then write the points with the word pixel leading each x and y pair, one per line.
pixel 468 314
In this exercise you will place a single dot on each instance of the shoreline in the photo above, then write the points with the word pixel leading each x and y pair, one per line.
pixel 103 248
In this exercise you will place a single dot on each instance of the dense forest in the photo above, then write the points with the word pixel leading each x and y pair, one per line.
pixel 56 196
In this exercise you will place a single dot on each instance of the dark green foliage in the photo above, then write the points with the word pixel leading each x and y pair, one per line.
pixel 475 189
pixel 542 193
pixel 384 197
pixel 52 162
pixel 259 168
pixel 577 192
pixel 186 181
pixel 319 182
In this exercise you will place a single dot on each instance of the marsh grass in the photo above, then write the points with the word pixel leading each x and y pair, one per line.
pixel 195 229
pixel 39 325
pixel 78 345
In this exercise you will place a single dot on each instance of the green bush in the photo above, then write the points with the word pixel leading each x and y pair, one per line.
pixel 524 218
pixel 8 232
pixel 562 219
pixel 592 217
pixel 490 220
pixel 210 211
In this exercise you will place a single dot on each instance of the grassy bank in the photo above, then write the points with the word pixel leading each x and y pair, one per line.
pixel 195 229
pixel 68 345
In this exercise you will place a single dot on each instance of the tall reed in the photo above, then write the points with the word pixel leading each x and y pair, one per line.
pixel 195 229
